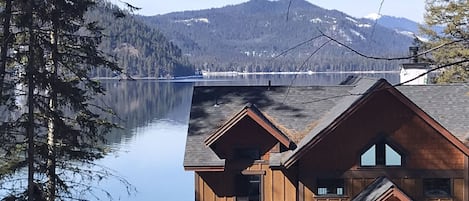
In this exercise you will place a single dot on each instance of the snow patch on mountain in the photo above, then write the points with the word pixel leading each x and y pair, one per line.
pixel 316 20
pixel 352 20
pixel 364 25
pixel 406 33
pixel 345 36
pixel 191 21
pixel 373 16
pixel 355 32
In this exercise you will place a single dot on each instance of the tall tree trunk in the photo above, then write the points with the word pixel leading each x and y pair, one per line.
pixel 5 42
pixel 30 101
pixel 51 156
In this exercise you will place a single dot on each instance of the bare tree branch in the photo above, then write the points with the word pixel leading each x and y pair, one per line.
pixel 288 9
pixel 376 20
pixel 297 45
pixel 302 65
pixel 388 58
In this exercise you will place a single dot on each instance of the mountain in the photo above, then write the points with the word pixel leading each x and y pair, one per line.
pixel 399 24
pixel 251 36
pixel 141 50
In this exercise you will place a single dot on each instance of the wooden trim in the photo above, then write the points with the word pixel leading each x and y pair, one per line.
pixel 264 123
pixel 253 172
pixel 249 110
pixel 196 188
pixel 466 178
pixel 394 191
pixel 225 127
pixel 301 191
pixel 205 169
pixel 389 173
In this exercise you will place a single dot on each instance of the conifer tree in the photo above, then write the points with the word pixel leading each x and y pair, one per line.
pixel 453 15
pixel 63 131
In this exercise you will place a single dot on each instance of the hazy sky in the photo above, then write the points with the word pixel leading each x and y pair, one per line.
pixel 412 9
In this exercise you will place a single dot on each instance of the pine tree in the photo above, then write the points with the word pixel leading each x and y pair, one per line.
pixel 453 16
pixel 63 129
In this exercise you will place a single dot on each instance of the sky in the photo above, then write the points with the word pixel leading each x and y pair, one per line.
pixel 411 9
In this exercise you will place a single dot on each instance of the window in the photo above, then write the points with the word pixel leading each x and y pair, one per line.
pixel 380 154
pixel 248 188
pixel 330 186
pixel 440 187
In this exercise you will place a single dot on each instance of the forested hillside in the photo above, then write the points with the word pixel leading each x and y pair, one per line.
pixel 249 36
pixel 140 50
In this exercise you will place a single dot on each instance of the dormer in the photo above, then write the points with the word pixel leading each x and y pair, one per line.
pixel 248 136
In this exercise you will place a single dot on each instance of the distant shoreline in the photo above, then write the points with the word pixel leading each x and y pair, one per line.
pixel 235 73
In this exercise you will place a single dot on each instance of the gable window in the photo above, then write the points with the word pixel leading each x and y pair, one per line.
pixel 380 154
pixel 248 188
pixel 330 187
pixel 440 187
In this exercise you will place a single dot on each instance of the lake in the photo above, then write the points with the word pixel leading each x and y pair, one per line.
pixel 149 152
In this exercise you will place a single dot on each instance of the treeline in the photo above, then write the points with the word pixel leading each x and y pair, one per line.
pixel 139 50
pixel 249 36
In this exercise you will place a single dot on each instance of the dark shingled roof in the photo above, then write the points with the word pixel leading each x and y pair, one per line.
pixel 302 111
pixel 376 190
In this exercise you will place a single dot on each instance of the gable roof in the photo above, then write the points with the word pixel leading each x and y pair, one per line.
pixel 251 111
pixel 294 115
pixel 381 190
pixel 307 110
pixel 334 116
pixel 351 103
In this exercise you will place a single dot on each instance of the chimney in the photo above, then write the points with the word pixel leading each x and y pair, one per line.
pixel 414 69
pixel 413 52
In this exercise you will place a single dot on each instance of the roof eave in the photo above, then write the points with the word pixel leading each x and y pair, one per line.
pixel 251 111
pixel 205 168
pixel 295 156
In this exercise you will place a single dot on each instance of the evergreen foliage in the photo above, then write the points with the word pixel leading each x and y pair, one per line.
pixel 140 50
pixel 453 16
pixel 51 127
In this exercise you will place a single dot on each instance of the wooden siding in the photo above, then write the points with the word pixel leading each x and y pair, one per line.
pixel 277 185
pixel 427 149
pixel 426 153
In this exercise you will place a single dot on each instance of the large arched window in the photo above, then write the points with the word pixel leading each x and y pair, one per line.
pixel 380 154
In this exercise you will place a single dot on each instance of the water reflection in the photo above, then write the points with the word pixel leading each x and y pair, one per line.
pixel 150 148
pixel 139 103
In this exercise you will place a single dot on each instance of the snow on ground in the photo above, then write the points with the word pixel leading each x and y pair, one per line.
pixel 373 16
pixel 357 34
pixel 316 20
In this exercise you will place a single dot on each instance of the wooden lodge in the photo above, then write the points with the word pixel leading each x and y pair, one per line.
pixel 365 140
